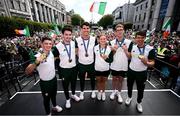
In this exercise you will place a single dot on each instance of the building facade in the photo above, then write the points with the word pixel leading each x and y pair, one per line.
pixel 16 8
pixel 150 14
pixel 143 15
pixel 48 11
pixel 124 14
pixel 68 16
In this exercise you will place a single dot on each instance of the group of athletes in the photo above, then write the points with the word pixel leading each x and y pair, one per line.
pixel 95 58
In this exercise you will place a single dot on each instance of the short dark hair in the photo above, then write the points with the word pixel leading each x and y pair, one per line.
pixel 45 38
pixel 85 23
pixel 119 25
pixel 67 28
pixel 141 33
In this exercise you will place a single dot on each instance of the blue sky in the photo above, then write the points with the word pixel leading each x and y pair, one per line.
pixel 81 7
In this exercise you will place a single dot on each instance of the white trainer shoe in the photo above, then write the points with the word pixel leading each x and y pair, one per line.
pixel 103 96
pixel 112 96
pixel 57 108
pixel 99 96
pixel 128 101
pixel 139 107
pixel 49 114
pixel 120 100
pixel 93 94
pixel 81 96
pixel 75 97
pixel 68 104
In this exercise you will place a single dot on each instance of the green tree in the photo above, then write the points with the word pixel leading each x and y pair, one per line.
pixel 128 26
pixel 106 20
pixel 76 20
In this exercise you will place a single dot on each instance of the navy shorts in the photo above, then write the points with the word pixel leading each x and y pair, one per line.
pixel 102 73
pixel 118 73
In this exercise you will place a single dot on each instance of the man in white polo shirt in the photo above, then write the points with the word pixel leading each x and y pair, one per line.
pixel 85 46
pixel 65 51
pixel 44 63
pixel 142 57
pixel 119 66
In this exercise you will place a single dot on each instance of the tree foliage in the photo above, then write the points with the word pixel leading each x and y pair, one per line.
pixel 76 20
pixel 105 21
pixel 128 26
pixel 8 25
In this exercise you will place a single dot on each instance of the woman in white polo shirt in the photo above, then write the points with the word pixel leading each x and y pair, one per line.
pixel 65 50
pixel 142 57
pixel 44 63
pixel 103 58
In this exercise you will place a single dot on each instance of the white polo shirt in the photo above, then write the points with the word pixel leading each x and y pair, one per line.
pixel 120 60
pixel 136 64
pixel 63 55
pixel 46 69
pixel 81 50
pixel 100 63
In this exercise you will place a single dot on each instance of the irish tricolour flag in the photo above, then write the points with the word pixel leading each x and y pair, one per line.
pixel 98 7
pixel 52 34
pixel 25 31
pixel 167 28
pixel 167 25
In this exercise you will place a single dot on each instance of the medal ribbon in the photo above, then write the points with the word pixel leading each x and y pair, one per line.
pixel 68 52
pixel 86 47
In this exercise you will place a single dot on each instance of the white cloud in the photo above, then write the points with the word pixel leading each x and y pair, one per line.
pixel 81 7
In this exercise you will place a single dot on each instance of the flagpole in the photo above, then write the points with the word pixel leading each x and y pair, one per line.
pixel 92 17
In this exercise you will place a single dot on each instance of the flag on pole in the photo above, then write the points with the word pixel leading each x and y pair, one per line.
pixel 167 28
pixel 167 25
pixel 23 32
pixel 98 7
pixel 148 39
pixel 56 29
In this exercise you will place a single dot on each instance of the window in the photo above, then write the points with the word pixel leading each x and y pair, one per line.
pixel 1 5
pixel 120 15
pixel 153 2
pixel 144 16
pixel 148 26
pixel 139 17
pixel 151 13
pixel 146 4
pixel 134 27
pixel 137 9
pixel 141 6
pixel 24 5
pixel 11 4
pixel 19 4
pixel 63 17
pixel 135 18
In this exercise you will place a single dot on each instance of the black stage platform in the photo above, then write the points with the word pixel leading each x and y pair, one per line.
pixel 156 102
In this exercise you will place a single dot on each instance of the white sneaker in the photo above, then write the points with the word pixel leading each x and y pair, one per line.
pixel 75 97
pixel 57 108
pixel 128 101
pixel 103 96
pixel 99 96
pixel 81 96
pixel 68 104
pixel 120 100
pixel 49 114
pixel 112 96
pixel 139 107
pixel 93 94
